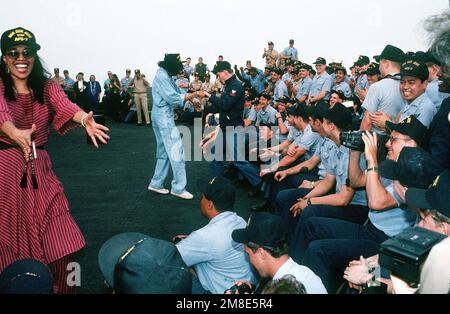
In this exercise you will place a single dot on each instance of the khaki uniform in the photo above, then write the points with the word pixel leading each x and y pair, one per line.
pixel 207 87
pixel 294 88
pixel 218 85
pixel 271 57
pixel 59 80
pixel 140 99
pixel 195 85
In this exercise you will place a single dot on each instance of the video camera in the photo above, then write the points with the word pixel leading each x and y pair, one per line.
pixel 242 289
pixel 405 253
pixel 354 141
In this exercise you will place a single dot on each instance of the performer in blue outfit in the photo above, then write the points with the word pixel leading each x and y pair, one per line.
pixel 169 149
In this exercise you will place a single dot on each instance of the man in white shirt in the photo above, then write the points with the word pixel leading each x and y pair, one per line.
pixel 264 241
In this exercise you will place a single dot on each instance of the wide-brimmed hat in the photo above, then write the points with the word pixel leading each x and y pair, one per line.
pixel 172 61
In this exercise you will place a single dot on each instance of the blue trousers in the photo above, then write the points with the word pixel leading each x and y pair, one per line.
pixel 234 152
pixel 169 151
pixel 331 244
pixel 285 199
pixel 290 182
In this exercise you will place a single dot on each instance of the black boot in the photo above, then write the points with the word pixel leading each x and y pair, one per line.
pixel 262 207
pixel 255 191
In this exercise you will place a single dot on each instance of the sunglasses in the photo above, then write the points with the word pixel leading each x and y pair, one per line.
pixel 26 54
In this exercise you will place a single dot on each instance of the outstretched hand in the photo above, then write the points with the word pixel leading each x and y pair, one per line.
pixel 95 130
pixel 23 139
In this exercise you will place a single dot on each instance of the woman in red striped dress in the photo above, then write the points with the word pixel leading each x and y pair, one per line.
pixel 35 221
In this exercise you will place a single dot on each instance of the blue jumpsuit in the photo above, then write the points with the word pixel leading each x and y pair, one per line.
pixel 169 149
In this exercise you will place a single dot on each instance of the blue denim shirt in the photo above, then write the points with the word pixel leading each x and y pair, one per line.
pixel 384 96
pixel 421 107
pixel 308 140
pixel 217 259
pixel 304 87
pixel 321 83
pixel 165 92
pixel 257 82
pixel 291 52
pixel 395 220
pixel 339 164
pixel 434 94
pixel 266 116
pixel 68 84
pixel 280 90
pixel 344 87
pixel 325 151
pixel 250 113
pixel 362 82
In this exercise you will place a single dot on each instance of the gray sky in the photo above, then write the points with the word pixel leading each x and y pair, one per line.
pixel 94 36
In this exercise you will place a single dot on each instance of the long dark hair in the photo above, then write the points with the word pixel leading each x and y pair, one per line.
pixel 172 69
pixel 36 81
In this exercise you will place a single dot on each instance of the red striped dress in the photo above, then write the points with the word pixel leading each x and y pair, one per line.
pixel 35 223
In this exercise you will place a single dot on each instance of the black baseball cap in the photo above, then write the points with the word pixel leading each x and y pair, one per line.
pixel 290 62
pixel 414 68
pixel 426 57
pixel 304 66
pixel 412 127
pixel 221 66
pixel 414 167
pixel 26 276
pixel 374 68
pixel 391 53
pixel 362 60
pixel 277 70
pixel 299 110
pixel 340 116
pixel 320 60
pixel 134 263
pixel 263 229
pixel 218 190
pixel 265 96
pixel 437 196
pixel 292 111
pixel 318 110
pixel 284 99
pixel 18 36
pixel 340 94
pixel 340 68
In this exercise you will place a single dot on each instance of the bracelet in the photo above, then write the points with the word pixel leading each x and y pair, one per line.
pixel 308 201
pixel 313 183
pixel 82 120
pixel 374 169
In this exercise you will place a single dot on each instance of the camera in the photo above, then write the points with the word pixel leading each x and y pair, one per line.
pixel 242 289
pixel 405 254
pixel 352 140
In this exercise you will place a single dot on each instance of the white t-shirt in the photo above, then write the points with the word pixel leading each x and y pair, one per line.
pixel 313 284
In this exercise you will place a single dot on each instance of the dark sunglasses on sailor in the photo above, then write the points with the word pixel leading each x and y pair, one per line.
pixel 26 53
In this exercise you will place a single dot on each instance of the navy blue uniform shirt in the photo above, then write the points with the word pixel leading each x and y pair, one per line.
pixel 230 105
